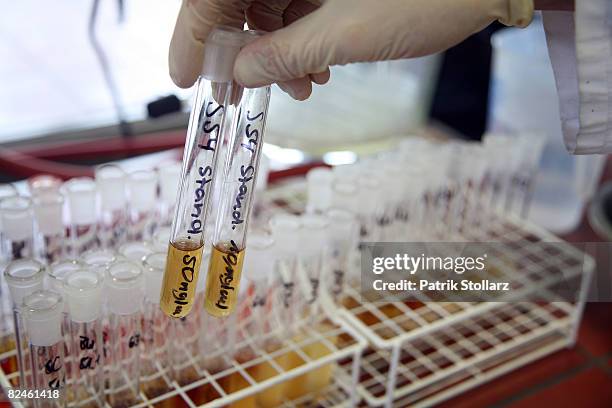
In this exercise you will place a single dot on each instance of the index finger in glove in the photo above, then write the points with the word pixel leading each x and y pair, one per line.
pixel 196 18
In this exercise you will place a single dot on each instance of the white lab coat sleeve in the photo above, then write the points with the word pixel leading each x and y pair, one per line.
pixel 580 49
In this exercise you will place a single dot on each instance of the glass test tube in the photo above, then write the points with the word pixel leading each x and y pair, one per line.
pixel 80 195
pixel 17 222
pixel 236 200
pixel 43 321
pixel 111 185
pixel 57 273
pixel 343 238
pixel 313 245
pixel 203 142
pixel 48 212
pixel 83 293
pixel 23 277
pixel 154 361
pixel 142 192
pixel 124 286
pixel 319 185
pixel 6 308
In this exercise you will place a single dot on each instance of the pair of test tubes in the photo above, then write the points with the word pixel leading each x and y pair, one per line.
pixel 217 98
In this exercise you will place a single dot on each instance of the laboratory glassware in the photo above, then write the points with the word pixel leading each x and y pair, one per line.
pixel 111 184
pixel 81 196
pixel 237 192
pixel 23 277
pixel 17 222
pixel 43 321
pixel 155 357
pixel 125 291
pixel 169 174
pixel 83 293
pixel 142 193
pixel 203 142
pixel 49 214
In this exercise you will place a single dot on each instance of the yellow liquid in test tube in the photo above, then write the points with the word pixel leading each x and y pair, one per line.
pixel 222 281
pixel 180 278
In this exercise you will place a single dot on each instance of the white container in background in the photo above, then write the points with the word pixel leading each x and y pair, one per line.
pixel 523 98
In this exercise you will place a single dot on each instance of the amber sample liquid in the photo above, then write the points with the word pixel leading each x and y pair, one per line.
pixel 180 278
pixel 223 279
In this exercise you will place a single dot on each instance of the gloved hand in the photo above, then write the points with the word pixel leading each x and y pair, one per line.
pixel 305 39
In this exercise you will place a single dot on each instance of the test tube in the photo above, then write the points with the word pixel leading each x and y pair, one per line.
pixel 236 200
pixel 23 277
pixel 43 321
pixel 343 238
pixel 203 142
pixel 57 273
pixel 155 329
pixel 319 182
pixel 80 195
pixel 18 224
pixel 83 293
pixel 111 185
pixel 48 212
pixel 6 190
pixel 142 193
pixel 169 175
pixel 125 288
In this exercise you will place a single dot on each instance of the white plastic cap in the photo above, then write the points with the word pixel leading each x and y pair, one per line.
pixel 43 312
pixel 125 287
pixel 111 181
pixel 259 258
pixel 7 190
pixel 142 189
pixel 16 218
pixel 343 227
pixel 319 193
pixel 80 194
pixel 222 47
pixel 169 177
pixel 49 211
pixel 83 294
pixel 285 230
pixel 57 273
pixel 344 195
pixel 24 276
pixel 154 267
pixel 135 251
pixel 314 234
pixel 43 183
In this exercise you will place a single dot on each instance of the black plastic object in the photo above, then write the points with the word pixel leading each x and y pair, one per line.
pixel 163 106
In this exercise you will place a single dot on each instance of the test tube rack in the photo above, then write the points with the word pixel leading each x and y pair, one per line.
pixel 422 353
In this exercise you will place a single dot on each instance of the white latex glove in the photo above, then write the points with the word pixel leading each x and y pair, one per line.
pixel 305 40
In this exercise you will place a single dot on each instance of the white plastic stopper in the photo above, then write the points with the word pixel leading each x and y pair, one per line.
pixel 111 181
pixel 48 211
pixel 23 277
pixel 314 234
pixel 285 232
pixel 83 294
pixel 343 228
pixel 135 251
pixel 142 190
pixel 57 274
pixel 80 194
pixel 154 266
pixel 16 218
pixel 43 183
pixel 319 192
pixel 259 258
pixel 169 177
pixel 222 47
pixel 125 287
pixel 43 316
